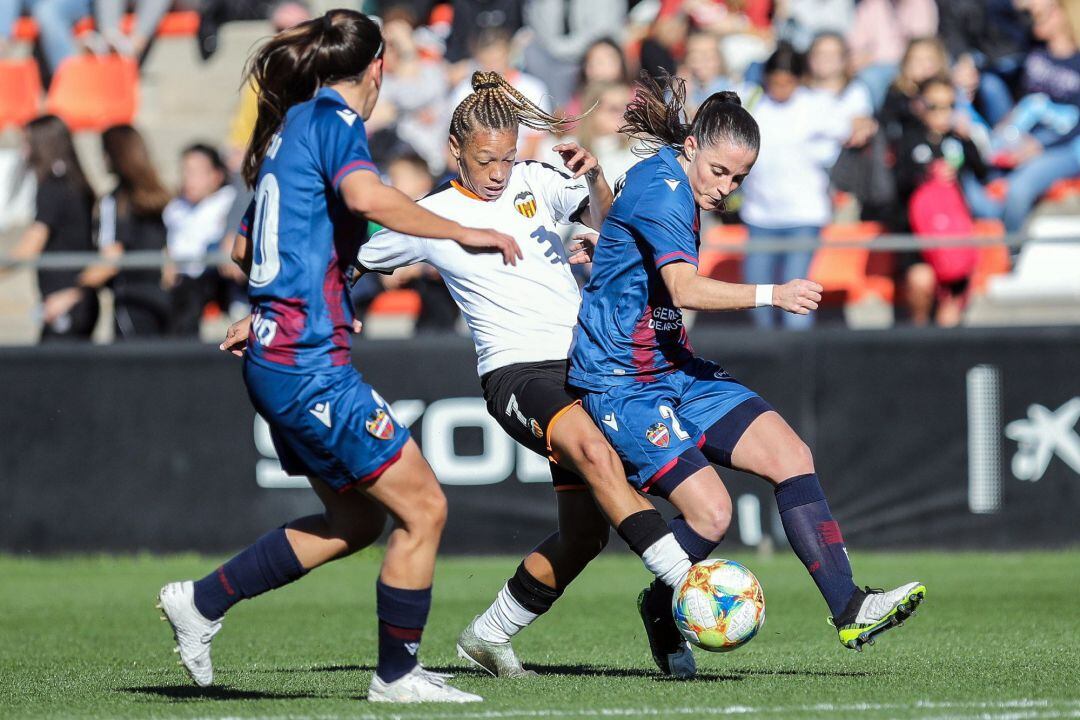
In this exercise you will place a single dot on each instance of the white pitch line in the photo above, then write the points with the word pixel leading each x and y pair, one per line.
pixel 1022 709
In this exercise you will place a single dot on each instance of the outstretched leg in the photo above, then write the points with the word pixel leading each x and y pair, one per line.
pixel 349 522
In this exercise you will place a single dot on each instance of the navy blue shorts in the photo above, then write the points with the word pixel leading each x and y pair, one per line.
pixel 651 424
pixel 327 424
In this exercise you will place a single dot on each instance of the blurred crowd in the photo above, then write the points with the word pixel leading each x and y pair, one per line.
pixel 920 115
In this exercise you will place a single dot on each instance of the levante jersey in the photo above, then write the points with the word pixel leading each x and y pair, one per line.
pixel 522 313
pixel 304 238
pixel 628 328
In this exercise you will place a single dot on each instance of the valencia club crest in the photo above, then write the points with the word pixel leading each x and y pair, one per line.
pixel 525 202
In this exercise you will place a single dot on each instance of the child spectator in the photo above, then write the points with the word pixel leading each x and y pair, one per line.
pixel 62 223
pixel 923 59
pixel 196 224
pixel 932 158
pixel 787 195
pixel 599 130
pixel 830 70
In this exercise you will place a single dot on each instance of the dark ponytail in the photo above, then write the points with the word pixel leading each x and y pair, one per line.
pixel 656 117
pixel 295 63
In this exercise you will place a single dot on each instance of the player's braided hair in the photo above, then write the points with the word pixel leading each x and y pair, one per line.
pixel 495 104
pixel 657 117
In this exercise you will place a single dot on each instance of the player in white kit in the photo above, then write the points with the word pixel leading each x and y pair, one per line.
pixel 522 320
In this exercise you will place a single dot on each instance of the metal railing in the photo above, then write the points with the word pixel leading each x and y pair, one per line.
pixel 145 260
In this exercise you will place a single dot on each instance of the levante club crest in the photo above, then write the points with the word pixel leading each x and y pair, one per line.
pixel 525 202
pixel 658 435
pixel 379 424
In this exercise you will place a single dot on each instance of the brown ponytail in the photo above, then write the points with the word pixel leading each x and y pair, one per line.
pixel 495 104
pixel 656 117
pixel 295 63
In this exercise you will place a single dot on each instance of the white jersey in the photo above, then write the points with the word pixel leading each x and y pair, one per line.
pixel 522 313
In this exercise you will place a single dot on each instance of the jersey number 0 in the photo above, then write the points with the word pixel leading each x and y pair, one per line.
pixel 265 261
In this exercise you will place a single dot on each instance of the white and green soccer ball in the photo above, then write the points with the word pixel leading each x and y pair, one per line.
pixel 720 606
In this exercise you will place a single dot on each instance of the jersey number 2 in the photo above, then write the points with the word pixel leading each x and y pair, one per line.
pixel 265 261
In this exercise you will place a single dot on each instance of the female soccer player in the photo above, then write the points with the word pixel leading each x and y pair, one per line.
pixel 522 321
pixel 670 414
pixel 315 189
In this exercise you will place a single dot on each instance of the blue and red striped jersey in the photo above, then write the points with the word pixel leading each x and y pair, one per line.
pixel 628 328
pixel 303 237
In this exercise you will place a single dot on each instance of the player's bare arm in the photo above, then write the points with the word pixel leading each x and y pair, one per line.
pixel 581 163
pixel 691 291
pixel 365 194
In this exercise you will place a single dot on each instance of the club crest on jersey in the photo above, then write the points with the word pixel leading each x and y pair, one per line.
pixel 379 424
pixel 658 435
pixel 535 427
pixel 525 202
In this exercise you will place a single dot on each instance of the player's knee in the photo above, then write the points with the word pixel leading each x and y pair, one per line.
pixel 600 461
pixel 433 509
pixel 801 459
pixel 713 522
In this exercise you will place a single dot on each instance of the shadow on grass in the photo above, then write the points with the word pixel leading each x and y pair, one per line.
pixel 806 673
pixel 187 692
pixel 553 670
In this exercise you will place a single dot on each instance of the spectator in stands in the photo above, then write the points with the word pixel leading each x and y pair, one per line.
pixel 603 63
pixel 744 28
pixel 55 22
pixel 148 13
pixel 196 223
pixel 599 130
pixel 703 69
pixel 880 32
pixel 1041 138
pixel 130 219
pixel 492 53
pixel 412 97
pixel 829 69
pixel 923 59
pixel 980 36
pixel 473 19
pixel 787 195
pixel 934 151
pixel 561 32
pixel 62 223
pixel 438 311
pixel 801 21
pixel 663 46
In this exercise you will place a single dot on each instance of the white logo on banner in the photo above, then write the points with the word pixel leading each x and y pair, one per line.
pixel 1042 435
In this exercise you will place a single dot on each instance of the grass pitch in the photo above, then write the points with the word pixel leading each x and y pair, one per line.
pixel 998 638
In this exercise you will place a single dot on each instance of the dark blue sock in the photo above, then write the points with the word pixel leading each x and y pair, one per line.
pixel 815 538
pixel 697 549
pixel 268 564
pixel 402 616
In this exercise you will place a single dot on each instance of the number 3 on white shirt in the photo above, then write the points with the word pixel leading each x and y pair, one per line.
pixel 265 261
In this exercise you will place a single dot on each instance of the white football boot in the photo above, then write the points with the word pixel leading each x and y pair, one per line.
pixel 417 686
pixel 498 659
pixel 191 630
pixel 872 612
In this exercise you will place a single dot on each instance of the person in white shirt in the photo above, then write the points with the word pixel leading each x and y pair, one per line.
pixel 787 196
pixel 522 319
pixel 195 222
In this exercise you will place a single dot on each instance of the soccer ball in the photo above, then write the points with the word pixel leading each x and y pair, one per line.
pixel 720 606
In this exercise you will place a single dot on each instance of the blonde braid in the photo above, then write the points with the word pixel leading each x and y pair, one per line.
pixel 495 104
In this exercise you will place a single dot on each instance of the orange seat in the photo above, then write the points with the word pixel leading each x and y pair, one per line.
pixel 182 23
pixel 396 302
pixel 94 93
pixel 20 92
pixel 844 272
pixel 1064 189
pixel 722 263
pixel 24 30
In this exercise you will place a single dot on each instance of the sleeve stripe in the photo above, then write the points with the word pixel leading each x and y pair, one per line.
pixel 355 165
pixel 676 255
pixel 244 228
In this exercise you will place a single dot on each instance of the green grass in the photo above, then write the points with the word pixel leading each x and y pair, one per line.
pixel 998 637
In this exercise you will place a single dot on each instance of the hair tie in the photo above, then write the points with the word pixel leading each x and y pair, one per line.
pixel 487 86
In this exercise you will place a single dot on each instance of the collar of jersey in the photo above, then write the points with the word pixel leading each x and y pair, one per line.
pixel 466 191
pixel 332 94
pixel 667 154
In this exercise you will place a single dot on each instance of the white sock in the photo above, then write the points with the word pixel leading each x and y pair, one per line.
pixel 666 559
pixel 504 619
